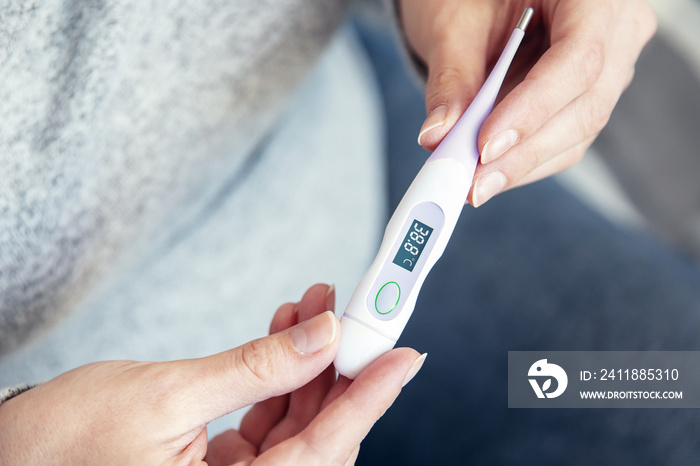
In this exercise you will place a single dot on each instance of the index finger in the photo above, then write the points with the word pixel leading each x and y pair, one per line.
pixel 335 433
pixel 263 416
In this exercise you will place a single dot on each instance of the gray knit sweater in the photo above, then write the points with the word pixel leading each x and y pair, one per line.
pixel 126 126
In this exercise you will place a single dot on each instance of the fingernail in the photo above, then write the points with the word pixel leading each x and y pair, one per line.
pixel 488 186
pixel 314 334
pixel 330 298
pixel 417 364
pixel 499 145
pixel 435 119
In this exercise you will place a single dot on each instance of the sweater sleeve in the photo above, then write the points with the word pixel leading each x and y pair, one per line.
pixel 10 392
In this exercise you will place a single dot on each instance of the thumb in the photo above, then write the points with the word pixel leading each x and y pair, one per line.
pixel 260 369
pixel 456 71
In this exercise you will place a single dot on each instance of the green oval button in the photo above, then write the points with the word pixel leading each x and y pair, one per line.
pixel 387 298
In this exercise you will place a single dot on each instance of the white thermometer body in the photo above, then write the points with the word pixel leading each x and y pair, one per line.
pixel 418 232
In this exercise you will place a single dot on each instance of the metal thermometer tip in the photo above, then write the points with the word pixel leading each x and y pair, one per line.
pixel 525 18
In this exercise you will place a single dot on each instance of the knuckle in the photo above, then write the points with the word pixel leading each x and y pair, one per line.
pixel 441 81
pixel 595 113
pixel 257 359
pixel 590 63
pixel 444 75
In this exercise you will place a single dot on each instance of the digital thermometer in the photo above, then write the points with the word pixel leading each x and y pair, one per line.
pixel 418 232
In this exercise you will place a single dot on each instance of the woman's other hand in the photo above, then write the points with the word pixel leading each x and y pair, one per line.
pixel 124 412
pixel 575 61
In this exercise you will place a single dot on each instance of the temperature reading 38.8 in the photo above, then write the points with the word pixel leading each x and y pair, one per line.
pixel 412 245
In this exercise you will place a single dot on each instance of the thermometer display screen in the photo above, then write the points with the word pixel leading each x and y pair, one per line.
pixel 412 245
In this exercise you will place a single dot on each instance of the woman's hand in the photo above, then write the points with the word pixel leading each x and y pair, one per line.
pixel 124 412
pixel 575 61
